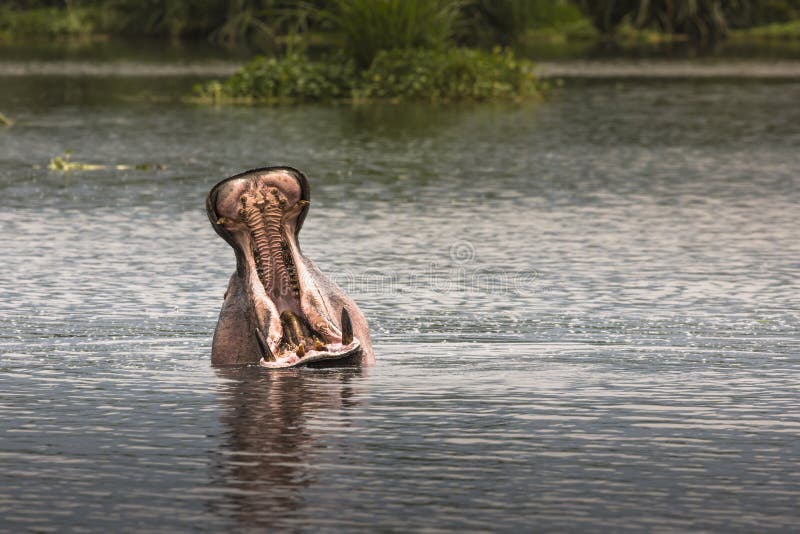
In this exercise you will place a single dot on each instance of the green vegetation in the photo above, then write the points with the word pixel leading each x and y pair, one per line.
pixel 778 31
pixel 49 21
pixel 369 26
pixel 507 22
pixel 413 49
pixel 580 30
pixel 65 164
pixel 397 49
pixel 366 26
pixel 694 20
pixel 291 78
pixel 449 74
pixel 5 121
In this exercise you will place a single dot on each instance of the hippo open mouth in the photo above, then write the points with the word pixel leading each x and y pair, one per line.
pixel 279 310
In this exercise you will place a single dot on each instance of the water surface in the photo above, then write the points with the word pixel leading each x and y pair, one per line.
pixel 585 313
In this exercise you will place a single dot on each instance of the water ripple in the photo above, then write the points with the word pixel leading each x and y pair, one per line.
pixel 585 314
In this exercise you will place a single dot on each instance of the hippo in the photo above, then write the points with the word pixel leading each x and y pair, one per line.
pixel 279 309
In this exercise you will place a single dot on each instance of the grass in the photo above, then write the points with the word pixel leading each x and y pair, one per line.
pixel 49 21
pixel 628 35
pixel 579 30
pixel 771 32
pixel 370 26
pixel 507 22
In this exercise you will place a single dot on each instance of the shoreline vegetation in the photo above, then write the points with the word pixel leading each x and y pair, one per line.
pixel 431 50
pixel 268 25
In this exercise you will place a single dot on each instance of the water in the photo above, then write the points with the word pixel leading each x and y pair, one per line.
pixel 585 313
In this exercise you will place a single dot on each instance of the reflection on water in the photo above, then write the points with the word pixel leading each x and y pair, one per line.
pixel 585 313
pixel 264 459
pixel 153 51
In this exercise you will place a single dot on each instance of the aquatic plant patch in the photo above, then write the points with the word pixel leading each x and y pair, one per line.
pixel 456 74
pixel 66 164
pixel 290 78
pixel 451 74
pixel 6 121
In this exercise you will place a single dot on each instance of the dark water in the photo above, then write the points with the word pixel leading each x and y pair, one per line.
pixel 585 314
pixel 155 51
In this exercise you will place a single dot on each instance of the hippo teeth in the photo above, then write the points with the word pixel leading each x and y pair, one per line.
pixel 293 332
pixel 262 342
pixel 347 328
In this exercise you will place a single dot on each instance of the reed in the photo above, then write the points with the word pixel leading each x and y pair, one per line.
pixel 370 26
pixel 49 21
pixel 507 21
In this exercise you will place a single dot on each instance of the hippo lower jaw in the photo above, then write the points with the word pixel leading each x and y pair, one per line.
pixel 280 311
pixel 350 353
pixel 295 354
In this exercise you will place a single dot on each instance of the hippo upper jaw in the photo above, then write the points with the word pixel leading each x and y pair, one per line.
pixel 280 310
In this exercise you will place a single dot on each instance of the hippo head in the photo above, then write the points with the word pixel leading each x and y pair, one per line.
pixel 279 309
